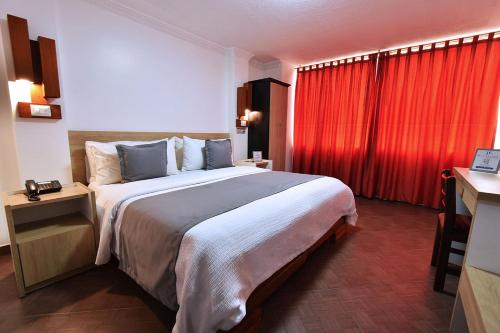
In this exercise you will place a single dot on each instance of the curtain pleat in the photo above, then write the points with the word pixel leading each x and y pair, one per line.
pixel 331 123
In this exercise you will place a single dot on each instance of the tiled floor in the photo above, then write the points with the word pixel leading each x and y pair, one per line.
pixel 376 280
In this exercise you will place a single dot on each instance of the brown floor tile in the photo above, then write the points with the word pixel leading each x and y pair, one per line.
pixel 378 279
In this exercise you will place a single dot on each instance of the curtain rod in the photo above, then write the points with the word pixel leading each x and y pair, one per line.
pixel 424 46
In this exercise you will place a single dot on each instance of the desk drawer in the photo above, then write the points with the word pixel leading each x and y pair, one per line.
pixel 47 257
pixel 469 200
pixel 460 188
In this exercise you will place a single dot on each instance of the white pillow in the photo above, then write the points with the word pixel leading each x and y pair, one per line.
pixel 194 154
pixel 104 163
pixel 171 158
pixel 179 152
pixel 91 160
pixel 107 164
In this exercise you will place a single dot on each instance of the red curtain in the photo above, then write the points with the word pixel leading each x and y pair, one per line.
pixel 435 107
pixel 332 120
pixel 390 137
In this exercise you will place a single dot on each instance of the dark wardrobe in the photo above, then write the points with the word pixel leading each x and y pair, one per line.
pixel 267 129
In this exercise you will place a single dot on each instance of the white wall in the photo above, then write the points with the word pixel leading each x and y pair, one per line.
pixel 256 70
pixel 115 74
pixel 121 75
pixel 261 70
pixel 28 150
pixel 42 149
pixel 9 174
pixel 288 75
pixel 236 75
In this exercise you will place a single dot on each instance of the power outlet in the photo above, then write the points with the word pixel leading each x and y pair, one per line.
pixel 40 110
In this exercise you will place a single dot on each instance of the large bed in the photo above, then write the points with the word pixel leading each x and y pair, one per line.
pixel 228 264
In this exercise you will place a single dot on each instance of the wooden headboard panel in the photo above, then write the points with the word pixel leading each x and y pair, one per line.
pixel 77 144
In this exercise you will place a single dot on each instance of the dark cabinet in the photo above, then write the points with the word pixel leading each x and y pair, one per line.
pixel 268 120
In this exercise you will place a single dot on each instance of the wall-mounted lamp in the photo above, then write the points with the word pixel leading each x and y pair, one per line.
pixel 255 117
pixel 244 104
pixel 20 91
pixel 35 67
pixel 244 121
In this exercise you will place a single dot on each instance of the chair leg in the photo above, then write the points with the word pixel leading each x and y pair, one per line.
pixel 442 264
pixel 437 241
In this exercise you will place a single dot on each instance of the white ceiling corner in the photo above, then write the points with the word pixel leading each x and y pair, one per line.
pixel 156 23
pixel 240 53
pixel 304 31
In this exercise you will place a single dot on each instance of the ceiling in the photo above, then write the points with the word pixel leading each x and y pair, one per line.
pixel 304 31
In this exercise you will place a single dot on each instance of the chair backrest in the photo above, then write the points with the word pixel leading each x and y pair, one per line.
pixel 448 200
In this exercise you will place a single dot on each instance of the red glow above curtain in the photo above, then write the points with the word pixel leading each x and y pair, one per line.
pixel 428 110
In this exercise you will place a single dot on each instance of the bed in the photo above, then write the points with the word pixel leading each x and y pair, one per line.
pixel 231 262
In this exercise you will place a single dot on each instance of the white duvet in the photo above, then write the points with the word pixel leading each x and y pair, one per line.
pixel 223 259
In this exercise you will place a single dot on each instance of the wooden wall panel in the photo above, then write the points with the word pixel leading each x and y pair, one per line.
pixel 244 99
pixel 21 51
pixel 37 95
pixel 48 59
pixel 241 101
pixel 35 60
pixel 277 125
pixel 24 111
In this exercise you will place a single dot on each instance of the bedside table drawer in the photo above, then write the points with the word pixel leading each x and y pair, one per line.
pixel 62 248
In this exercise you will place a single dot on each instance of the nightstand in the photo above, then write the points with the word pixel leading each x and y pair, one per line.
pixel 264 164
pixel 53 238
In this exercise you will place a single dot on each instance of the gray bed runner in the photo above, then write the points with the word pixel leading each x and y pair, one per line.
pixel 152 228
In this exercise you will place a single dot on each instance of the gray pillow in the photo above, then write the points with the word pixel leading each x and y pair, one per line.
pixel 218 154
pixel 143 161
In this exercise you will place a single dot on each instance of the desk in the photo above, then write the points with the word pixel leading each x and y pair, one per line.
pixel 481 194
pixel 477 306
pixel 478 302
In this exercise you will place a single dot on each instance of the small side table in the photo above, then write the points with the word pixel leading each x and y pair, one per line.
pixel 53 238
pixel 264 164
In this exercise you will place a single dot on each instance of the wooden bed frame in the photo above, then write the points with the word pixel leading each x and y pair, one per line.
pixel 252 320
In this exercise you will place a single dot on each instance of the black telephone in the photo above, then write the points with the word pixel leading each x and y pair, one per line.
pixel 33 190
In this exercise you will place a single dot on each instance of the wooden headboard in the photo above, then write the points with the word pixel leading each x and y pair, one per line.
pixel 77 144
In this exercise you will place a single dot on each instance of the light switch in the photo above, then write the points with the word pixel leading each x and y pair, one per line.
pixel 40 110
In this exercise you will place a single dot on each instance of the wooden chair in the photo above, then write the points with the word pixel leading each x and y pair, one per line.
pixel 450 227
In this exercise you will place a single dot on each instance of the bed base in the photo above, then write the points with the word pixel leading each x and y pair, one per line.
pixel 251 322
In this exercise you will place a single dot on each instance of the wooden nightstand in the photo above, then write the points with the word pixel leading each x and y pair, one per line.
pixel 264 164
pixel 53 238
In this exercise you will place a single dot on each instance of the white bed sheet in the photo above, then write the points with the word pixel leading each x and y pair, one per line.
pixel 223 259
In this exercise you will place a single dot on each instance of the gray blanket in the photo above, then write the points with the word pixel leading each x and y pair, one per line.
pixel 153 227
